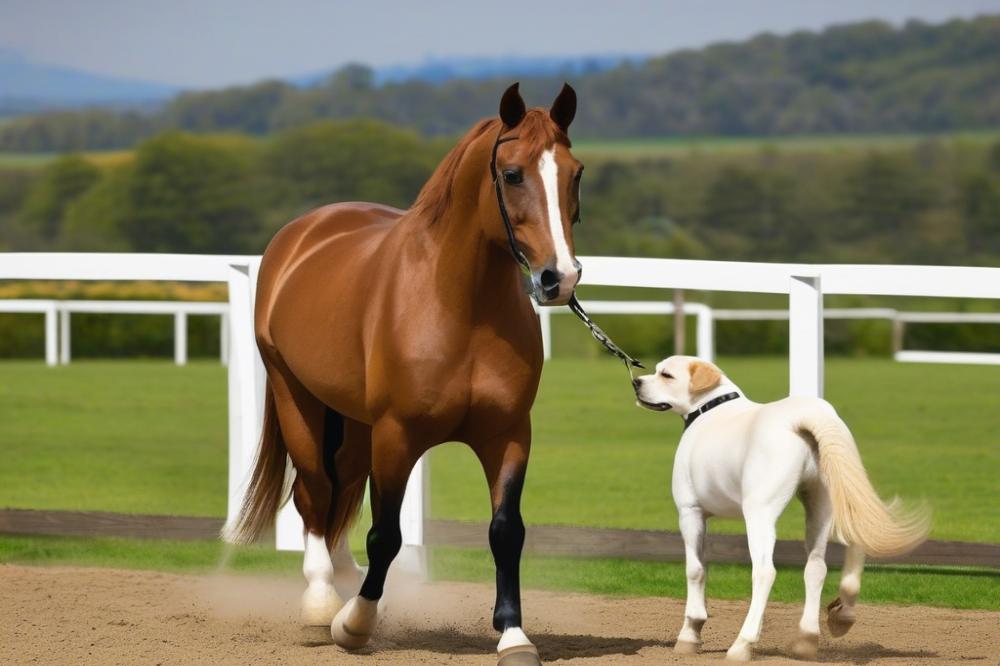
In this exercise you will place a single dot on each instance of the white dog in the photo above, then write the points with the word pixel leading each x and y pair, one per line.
pixel 741 458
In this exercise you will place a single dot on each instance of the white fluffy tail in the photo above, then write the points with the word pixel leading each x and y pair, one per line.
pixel 860 517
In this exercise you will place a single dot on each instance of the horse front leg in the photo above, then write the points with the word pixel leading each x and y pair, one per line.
pixel 505 461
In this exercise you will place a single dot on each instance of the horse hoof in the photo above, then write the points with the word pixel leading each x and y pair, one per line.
pixel 319 606
pixel 519 655
pixel 352 627
pixel 687 647
pixel 805 647
pixel 740 651
pixel 839 618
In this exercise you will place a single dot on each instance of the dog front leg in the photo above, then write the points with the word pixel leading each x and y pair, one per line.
pixel 692 524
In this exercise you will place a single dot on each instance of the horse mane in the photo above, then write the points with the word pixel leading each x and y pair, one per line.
pixel 536 128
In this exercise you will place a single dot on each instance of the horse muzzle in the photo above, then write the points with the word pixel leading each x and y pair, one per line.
pixel 552 286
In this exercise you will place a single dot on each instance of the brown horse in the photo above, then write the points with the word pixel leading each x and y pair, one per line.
pixel 386 332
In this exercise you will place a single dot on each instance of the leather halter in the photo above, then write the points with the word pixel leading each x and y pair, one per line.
pixel 515 249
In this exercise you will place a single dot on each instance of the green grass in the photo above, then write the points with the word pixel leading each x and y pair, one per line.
pixel 148 437
pixel 678 146
pixel 135 437
pixel 925 432
pixel 35 160
pixel 956 588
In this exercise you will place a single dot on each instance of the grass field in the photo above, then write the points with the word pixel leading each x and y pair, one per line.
pixel 35 160
pixel 676 146
pixel 149 437
pixel 644 148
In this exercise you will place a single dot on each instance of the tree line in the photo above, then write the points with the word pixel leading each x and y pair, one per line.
pixel 933 201
pixel 863 77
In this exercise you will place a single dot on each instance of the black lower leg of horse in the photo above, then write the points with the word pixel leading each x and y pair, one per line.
pixel 384 541
pixel 506 541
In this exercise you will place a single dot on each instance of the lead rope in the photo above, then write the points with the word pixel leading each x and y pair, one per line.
pixel 574 303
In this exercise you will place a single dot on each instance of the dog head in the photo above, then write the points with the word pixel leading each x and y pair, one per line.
pixel 678 383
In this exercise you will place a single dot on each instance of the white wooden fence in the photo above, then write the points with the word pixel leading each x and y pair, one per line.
pixel 58 346
pixel 706 316
pixel 804 285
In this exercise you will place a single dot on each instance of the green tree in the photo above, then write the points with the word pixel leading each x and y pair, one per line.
pixel 60 183
pixel 980 206
pixel 191 194
pixel 95 221
pixel 350 160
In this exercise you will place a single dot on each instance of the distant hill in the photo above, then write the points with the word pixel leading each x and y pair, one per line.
pixel 441 70
pixel 859 78
pixel 28 86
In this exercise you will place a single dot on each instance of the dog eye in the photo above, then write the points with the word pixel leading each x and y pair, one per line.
pixel 513 176
pixel 666 375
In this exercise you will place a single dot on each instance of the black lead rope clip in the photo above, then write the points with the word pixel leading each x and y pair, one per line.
pixel 574 304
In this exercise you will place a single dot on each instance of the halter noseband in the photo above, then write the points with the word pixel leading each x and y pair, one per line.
pixel 515 249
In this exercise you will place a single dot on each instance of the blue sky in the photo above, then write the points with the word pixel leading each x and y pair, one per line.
pixel 203 43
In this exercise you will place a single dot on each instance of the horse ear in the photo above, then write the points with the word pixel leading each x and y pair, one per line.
pixel 704 376
pixel 564 108
pixel 512 107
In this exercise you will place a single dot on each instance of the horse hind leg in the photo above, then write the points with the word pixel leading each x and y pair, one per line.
pixel 304 425
pixel 348 467
pixel 393 457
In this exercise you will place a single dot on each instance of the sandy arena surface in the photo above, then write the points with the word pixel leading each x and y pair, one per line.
pixel 105 616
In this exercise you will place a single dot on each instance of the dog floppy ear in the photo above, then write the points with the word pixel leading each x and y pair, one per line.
pixel 704 376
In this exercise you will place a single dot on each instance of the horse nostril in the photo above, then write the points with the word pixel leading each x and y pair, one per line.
pixel 549 279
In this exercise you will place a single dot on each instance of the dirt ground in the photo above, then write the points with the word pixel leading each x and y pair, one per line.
pixel 105 616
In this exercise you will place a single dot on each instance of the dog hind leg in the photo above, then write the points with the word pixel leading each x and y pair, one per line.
pixel 760 522
pixel 819 518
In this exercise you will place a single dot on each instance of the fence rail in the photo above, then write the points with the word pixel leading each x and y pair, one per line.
pixel 804 285
pixel 58 345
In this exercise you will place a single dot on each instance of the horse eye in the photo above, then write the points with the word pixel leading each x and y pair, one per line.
pixel 513 176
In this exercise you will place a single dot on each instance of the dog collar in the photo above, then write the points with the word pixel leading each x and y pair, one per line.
pixel 711 404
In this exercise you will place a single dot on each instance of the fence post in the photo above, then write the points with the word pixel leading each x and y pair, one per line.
pixel 680 324
pixel 898 335
pixel 224 338
pixel 805 336
pixel 545 320
pixel 64 337
pixel 413 557
pixel 51 335
pixel 180 338
pixel 244 405
pixel 705 334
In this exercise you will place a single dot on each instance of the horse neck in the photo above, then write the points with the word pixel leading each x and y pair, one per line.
pixel 469 269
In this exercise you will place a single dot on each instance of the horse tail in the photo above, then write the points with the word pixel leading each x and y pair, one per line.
pixel 860 517
pixel 267 491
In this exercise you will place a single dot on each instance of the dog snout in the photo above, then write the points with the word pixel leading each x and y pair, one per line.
pixel 636 383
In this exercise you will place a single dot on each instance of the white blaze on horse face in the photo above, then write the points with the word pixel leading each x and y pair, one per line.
pixel 549 170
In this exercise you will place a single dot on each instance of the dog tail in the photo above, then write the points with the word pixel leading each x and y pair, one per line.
pixel 860 517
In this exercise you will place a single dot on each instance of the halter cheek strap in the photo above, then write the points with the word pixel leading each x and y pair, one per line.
pixel 515 249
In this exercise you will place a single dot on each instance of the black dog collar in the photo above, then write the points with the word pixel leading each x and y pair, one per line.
pixel 711 404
